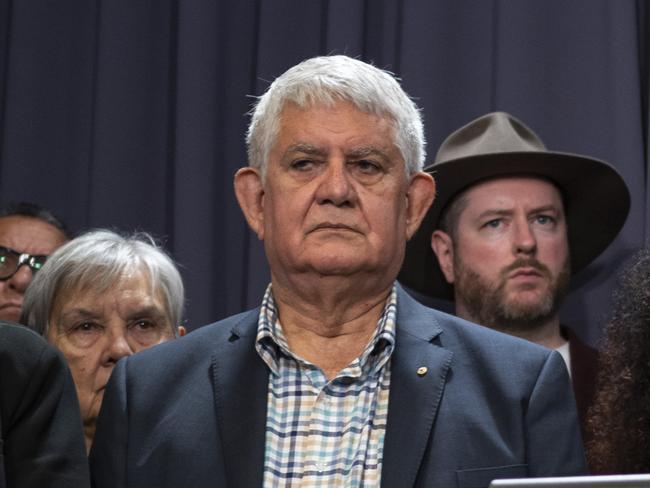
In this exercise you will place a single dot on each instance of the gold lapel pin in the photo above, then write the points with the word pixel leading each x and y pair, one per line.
pixel 422 370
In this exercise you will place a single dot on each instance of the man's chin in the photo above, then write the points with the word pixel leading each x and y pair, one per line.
pixel 526 295
pixel 342 262
pixel 334 269
pixel 11 314
pixel 527 309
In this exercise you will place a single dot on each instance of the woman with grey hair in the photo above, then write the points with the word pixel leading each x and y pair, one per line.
pixel 100 297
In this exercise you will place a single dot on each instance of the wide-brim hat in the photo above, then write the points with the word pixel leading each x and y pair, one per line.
pixel 595 196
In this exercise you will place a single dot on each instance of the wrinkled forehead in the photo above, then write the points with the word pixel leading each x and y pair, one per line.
pixel 514 186
pixel 335 104
pixel 342 122
pixel 98 282
pixel 330 100
pixel 30 235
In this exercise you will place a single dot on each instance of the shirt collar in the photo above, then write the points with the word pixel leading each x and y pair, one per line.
pixel 271 342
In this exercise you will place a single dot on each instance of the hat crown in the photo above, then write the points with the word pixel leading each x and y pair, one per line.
pixel 496 132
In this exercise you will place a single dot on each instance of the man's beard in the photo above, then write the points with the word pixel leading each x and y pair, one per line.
pixel 488 304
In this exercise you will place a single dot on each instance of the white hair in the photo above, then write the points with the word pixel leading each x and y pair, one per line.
pixel 326 80
pixel 98 260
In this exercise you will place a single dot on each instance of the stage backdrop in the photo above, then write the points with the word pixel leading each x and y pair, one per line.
pixel 131 114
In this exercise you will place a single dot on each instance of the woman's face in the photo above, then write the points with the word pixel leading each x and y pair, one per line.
pixel 94 329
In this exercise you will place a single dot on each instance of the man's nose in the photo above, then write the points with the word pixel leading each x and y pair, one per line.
pixel 336 186
pixel 524 240
pixel 21 279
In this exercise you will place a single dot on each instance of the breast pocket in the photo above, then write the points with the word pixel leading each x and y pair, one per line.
pixel 482 477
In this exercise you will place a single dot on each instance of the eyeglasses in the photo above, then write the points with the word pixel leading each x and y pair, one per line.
pixel 11 261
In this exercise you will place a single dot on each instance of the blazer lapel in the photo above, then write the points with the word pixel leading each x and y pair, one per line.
pixel 418 375
pixel 240 385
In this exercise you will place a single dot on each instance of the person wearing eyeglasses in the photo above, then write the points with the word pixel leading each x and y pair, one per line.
pixel 29 233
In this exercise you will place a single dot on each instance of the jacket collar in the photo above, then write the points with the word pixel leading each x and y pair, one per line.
pixel 418 377
pixel 240 380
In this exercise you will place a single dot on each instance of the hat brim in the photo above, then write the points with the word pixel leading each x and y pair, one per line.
pixel 596 201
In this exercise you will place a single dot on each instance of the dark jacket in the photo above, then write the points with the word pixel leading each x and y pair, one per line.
pixel 41 441
pixel 192 412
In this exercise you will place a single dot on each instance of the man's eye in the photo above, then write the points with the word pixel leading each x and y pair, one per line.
pixel 366 166
pixel 494 223
pixel 544 219
pixel 302 164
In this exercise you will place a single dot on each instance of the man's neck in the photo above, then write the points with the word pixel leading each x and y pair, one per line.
pixel 546 334
pixel 89 432
pixel 329 326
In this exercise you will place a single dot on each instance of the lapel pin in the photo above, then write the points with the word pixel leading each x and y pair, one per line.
pixel 422 370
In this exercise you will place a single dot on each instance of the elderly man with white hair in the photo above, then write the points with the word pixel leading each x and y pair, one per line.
pixel 339 378
pixel 99 298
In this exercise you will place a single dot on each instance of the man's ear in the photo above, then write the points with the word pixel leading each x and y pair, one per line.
pixel 250 195
pixel 420 194
pixel 443 247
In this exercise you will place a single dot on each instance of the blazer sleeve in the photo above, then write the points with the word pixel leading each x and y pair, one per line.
pixel 554 440
pixel 41 422
pixel 109 449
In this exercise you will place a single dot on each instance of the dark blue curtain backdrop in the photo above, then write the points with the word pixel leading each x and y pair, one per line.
pixel 131 114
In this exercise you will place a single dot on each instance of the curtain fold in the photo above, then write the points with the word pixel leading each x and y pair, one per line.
pixel 132 115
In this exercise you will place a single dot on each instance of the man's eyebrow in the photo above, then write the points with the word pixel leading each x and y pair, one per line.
pixel 547 208
pixel 495 212
pixel 365 151
pixel 504 212
pixel 355 152
pixel 306 149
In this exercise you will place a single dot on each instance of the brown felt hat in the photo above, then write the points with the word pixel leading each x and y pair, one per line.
pixel 595 195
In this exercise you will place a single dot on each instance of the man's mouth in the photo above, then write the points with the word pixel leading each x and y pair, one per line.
pixel 333 226
pixel 10 305
pixel 525 272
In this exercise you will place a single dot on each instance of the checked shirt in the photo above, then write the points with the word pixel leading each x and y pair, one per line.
pixel 322 433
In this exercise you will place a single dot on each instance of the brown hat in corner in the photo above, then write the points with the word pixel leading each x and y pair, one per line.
pixel 596 197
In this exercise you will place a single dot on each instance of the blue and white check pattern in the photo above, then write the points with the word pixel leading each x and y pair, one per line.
pixel 320 433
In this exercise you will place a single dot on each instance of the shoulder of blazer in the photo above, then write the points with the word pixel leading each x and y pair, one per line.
pixel 459 335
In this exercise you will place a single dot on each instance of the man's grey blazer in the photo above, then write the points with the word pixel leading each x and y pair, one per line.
pixel 192 412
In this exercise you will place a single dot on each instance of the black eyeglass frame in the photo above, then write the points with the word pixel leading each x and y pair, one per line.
pixel 34 261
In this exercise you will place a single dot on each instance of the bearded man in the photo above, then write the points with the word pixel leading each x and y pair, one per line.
pixel 509 225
